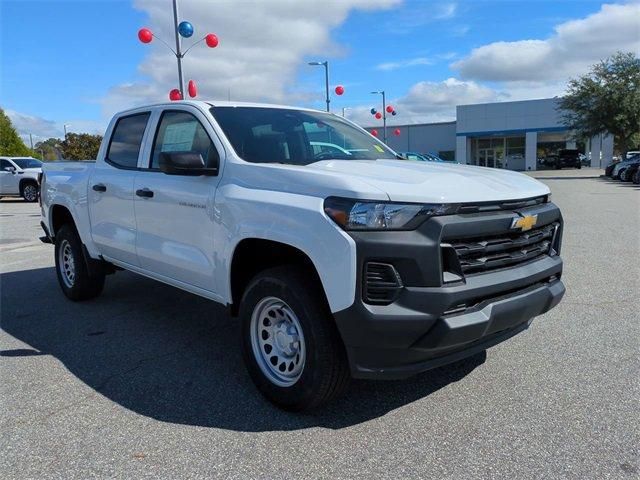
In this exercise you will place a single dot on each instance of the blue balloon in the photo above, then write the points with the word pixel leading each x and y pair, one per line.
pixel 185 29
pixel 394 113
pixel 373 111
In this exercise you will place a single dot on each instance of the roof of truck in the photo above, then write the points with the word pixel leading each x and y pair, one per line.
pixel 218 103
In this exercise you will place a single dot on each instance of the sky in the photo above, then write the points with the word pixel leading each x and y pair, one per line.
pixel 79 62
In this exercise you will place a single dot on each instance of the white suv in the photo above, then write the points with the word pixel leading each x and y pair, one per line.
pixel 19 177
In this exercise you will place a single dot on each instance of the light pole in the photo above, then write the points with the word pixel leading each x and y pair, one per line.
pixel 384 114
pixel 325 64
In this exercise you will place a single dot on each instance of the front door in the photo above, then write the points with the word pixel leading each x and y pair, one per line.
pixel 113 222
pixel 8 178
pixel 175 213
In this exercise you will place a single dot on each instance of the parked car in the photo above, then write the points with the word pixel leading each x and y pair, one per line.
pixel 626 173
pixel 584 160
pixel 568 158
pixel 361 265
pixel 620 166
pixel 425 157
pixel 416 156
pixel 631 154
pixel 19 177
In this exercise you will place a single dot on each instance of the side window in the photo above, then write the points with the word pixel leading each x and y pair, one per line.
pixel 4 164
pixel 182 132
pixel 126 140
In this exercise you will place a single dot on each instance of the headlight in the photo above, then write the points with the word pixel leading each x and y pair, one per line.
pixel 372 215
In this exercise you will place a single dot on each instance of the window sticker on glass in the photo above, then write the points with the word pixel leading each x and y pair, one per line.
pixel 179 137
pixel 378 148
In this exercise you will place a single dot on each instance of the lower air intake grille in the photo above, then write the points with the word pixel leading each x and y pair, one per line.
pixel 382 283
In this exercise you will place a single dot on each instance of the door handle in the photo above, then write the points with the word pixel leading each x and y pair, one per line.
pixel 99 188
pixel 145 193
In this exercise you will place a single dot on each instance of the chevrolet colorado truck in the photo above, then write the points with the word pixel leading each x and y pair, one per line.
pixel 339 262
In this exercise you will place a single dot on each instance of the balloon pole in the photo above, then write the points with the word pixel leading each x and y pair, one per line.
pixel 178 45
pixel 326 80
pixel 384 116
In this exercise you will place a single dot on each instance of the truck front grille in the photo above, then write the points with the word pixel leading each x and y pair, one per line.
pixel 481 254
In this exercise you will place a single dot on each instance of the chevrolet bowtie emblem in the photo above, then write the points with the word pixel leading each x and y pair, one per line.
pixel 524 223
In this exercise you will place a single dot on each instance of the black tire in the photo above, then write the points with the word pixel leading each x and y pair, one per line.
pixel 619 177
pixel 325 370
pixel 29 191
pixel 87 280
pixel 636 177
pixel 579 166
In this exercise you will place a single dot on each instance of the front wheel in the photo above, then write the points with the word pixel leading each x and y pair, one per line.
pixel 30 192
pixel 78 279
pixel 292 349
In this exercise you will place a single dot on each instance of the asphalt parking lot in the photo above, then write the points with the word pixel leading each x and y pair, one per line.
pixel 147 381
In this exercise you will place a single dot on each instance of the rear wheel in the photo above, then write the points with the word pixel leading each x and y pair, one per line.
pixel 78 279
pixel 292 349
pixel 30 192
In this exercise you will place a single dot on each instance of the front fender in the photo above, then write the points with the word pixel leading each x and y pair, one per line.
pixel 292 219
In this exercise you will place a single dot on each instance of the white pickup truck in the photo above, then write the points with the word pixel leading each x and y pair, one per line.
pixel 340 258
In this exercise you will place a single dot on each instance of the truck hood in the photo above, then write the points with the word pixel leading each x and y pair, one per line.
pixel 431 182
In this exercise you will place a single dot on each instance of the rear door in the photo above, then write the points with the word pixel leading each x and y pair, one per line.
pixel 110 190
pixel 175 213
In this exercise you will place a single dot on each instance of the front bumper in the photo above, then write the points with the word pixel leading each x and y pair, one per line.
pixel 429 326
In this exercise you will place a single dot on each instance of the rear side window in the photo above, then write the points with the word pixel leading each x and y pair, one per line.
pixel 126 140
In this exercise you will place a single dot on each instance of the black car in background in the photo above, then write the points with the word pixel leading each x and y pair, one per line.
pixel 568 157
pixel 627 173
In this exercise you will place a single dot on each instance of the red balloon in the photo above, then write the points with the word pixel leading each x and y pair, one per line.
pixel 374 133
pixel 211 40
pixel 145 35
pixel 339 90
pixel 396 132
pixel 389 109
pixel 175 95
pixel 193 90
pixel 378 115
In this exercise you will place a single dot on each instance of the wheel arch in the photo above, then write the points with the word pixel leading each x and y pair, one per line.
pixel 26 181
pixel 60 215
pixel 254 255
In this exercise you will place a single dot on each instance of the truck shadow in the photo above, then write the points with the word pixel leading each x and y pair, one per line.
pixel 175 357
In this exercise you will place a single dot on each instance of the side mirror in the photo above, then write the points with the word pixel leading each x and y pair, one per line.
pixel 185 163
pixel 10 169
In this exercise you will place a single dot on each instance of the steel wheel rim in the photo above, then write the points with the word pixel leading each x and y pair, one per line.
pixel 30 193
pixel 277 341
pixel 67 264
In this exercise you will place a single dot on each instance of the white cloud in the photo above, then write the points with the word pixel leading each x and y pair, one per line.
pixel 412 62
pixel 446 11
pixel 41 129
pixel 431 102
pixel 574 47
pixel 262 46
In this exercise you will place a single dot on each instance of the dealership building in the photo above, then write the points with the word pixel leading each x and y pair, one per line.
pixel 513 135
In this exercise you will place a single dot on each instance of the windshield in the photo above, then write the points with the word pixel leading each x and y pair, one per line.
pixel 27 162
pixel 296 137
